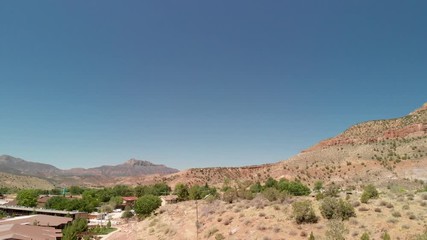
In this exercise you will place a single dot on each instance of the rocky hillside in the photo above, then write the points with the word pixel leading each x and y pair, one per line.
pixel 408 127
pixel 20 182
pixel 9 164
pixel 380 151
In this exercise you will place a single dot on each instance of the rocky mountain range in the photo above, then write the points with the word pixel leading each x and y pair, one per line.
pixel 87 176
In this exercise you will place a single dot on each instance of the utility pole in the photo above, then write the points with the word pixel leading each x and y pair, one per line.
pixel 197 221
pixel 197 216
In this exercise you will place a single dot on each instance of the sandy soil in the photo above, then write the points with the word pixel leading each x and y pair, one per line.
pixel 261 219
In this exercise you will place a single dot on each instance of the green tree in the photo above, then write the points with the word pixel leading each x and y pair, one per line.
pixel 198 192
pixel 142 190
pixel 303 212
pixel 27 198
pixel 181 190
pixel 145 205
pixel 116 201
pixel 75 190
pixel 4 190
pixel 72 231
pixel 2 214
pixel 160 189
pixel 122 190
pixel 57 203
pixel 295 188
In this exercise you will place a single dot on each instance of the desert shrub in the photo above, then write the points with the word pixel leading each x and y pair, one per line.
pixel 336 208
pixel 256 187
pixel 311 237
pixel 389 205
pixel 245 194
pixel 422 236
pixel 318 185
pixel 336 230
pixel 386 236
pixel 270 183
pixel 377 210
pixel 229 195
pixel 396 214
pixel 363 209
pixel 412 216
pixel 303 212
pixel 365 236
pixel 219 236
pixel 369 192
pixel 298 189
pixel 211 232
pixel 146 204
pixel 320 196
pixel 271 194
pixel 332 190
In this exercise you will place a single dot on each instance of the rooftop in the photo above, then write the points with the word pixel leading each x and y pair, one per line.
pixel 24 232
pixel 40 220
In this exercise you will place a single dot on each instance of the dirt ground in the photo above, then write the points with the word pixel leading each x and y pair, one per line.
pixel 402 214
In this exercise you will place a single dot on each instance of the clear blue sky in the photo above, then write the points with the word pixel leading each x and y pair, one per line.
pixel 201 83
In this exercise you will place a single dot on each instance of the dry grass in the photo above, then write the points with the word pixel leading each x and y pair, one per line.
pixel 275 221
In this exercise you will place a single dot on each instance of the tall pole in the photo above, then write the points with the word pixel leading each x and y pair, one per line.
pixel 197 221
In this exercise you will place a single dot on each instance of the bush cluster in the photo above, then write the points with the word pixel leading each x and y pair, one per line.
pixel 336 208
pixel 272 189
pixel 145 205
pixel 369 192
pixel 303 212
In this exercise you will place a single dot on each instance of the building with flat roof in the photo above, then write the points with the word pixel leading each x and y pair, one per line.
pixel 38 220
pixel 20 210
pixel 28 232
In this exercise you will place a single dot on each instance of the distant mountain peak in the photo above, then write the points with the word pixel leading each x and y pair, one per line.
pixel 135 162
